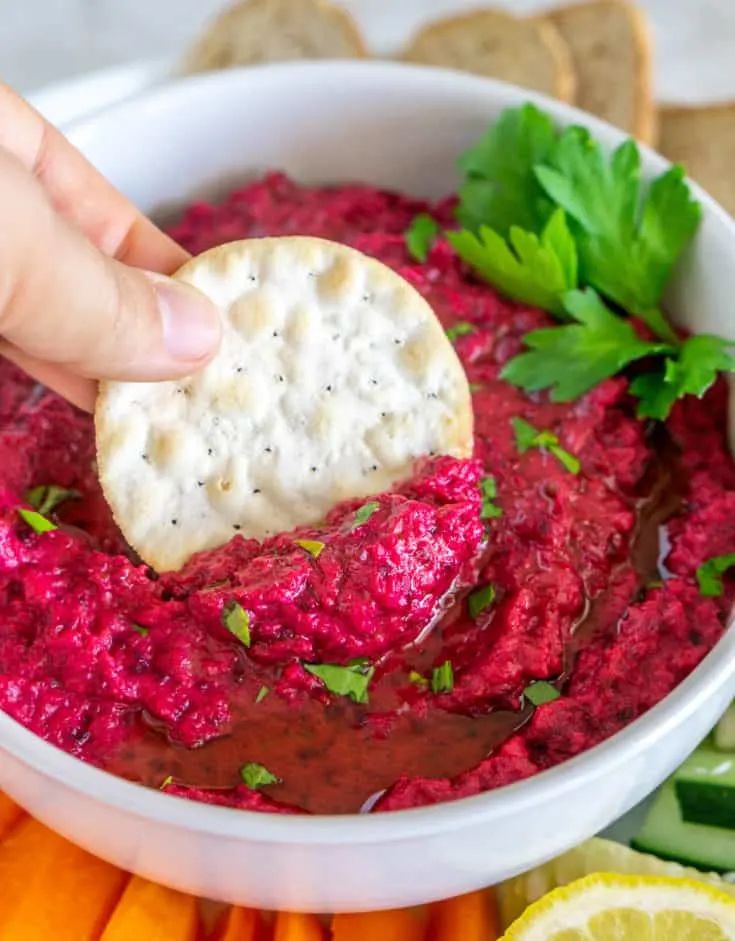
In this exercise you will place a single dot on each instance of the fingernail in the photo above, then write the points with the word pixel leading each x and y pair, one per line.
pixel 190 321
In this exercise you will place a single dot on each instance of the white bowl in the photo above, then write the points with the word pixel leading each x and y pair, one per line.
pixel 400 127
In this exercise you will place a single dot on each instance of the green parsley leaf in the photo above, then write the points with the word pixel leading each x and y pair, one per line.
pixel 480 599
pixel 501 186
pixel 442 678
pixel 420 236
pixel 529 437
pixel 312 546
pixel 459 329
pixel 709 574
pixel 46 497
pixel 417 678
pixel 363 513
pixel 36 521
pixel 541 692
pixel 352 680
pixel 169 779
pixel 572 359
pixel 237 621
pixel 489 491
pixel 690 371
pixel 627 249
pixel 256 776
pixel 139 629
pixel 262 693
pixel 534 269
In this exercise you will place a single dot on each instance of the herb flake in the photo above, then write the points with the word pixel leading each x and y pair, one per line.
pixel 312 546
pixel 709 574
pixel 460 329
pixel 442 678
pixel 262 693
pixel 480 599
pixel 418 679
pixel 37 522
pixel 489 491
pixel 47 497
pixel 255 776
pixel 420 236
pixel 540 692
pixel 529 437
pixel 237 621
pixel 363 513
pixel 351 680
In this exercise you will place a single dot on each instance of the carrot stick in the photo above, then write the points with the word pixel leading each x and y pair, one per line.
pixel 9 813
pixel 471 917
pixel 398 924
pixel 295 927
pixel 150 912
pixel 52 889
pixel 238 924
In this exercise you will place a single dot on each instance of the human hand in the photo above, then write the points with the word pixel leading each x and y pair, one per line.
pixel 75 302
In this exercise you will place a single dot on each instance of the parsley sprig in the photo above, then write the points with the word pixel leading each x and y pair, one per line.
pixel 551 221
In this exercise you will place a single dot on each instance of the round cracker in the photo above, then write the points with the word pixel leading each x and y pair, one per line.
pixel 333 377
pixel 275 31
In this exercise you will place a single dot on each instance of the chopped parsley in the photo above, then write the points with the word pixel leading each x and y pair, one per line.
pixel 46 497
pixel 551 220
pixel 312 546
pixel 262 693
pixel 480 599
pixel 420 236
pixel 529 437
pixel 460 329
pixel 139 629
pixel 541 692
pixel 351 680
pixel 489 491
pixel 363 513
pixel 256 776
pixel 417 678
pixel 442 678
pixel 36 521
pixel 709 574
pixel 237 621
pixel 169 779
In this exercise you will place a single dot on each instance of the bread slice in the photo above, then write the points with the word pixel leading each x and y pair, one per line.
pixel 703 139
pixel 527 51
pixel 273 31
pixel 610 45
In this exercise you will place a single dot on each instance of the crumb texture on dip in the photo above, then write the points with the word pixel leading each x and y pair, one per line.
pixel 387 657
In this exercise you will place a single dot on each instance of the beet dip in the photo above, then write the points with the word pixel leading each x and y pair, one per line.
pixel 447 601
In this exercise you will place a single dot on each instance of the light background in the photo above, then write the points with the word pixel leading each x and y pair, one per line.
pixel 46 40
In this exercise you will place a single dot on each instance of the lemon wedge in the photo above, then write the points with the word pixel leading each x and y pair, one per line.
pixel 596 855
pixel 608 907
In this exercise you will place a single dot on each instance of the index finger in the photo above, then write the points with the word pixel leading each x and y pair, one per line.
pixel 80 193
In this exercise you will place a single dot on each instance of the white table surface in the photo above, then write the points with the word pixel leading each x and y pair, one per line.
pixel 43 41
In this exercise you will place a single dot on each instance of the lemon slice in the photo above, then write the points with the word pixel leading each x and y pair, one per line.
pixel 597 855
pixel 609 907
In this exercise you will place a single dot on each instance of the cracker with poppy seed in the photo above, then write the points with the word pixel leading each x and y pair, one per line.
pixel 333 377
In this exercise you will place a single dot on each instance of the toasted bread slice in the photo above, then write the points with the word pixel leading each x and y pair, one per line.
pixel 526 51
pixel 273 31
pixel 610 45
pixel 703 139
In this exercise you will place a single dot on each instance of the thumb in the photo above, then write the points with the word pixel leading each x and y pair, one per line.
pixel 63 302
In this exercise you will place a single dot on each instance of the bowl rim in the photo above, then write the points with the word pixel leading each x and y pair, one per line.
pixel 712 673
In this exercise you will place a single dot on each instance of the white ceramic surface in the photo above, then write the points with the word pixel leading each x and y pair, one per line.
pixel 400 127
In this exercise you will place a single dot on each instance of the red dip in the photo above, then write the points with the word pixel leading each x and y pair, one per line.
pixel 586 580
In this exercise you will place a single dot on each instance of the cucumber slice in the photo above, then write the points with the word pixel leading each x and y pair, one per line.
pixel 666 835
pixel 705 788
pixel 725 730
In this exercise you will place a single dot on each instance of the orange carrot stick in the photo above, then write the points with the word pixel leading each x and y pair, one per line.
pixel 150 912
pixel 398 924
pixel 9 813
pixel 471 917
pixel 294 927
pixel 53 889
pixel 238 924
